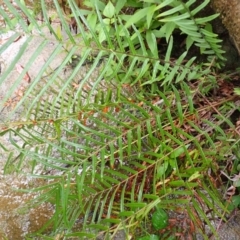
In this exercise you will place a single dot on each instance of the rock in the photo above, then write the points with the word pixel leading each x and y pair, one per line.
pixel 230 15
pixel 230 230
pixel 226 26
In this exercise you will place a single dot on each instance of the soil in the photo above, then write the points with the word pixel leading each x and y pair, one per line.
pixel 15 219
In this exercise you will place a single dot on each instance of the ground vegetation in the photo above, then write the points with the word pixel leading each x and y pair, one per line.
pixel 149 132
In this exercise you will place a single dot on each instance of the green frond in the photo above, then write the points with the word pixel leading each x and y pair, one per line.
pixel 113 127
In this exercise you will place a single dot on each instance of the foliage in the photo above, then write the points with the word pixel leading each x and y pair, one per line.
pixel 136 132
pixel 150 237
pixel 159 219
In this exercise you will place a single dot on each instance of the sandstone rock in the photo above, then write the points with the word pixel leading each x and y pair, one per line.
pixel 230 14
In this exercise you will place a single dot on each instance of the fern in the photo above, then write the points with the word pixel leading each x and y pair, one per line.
pixel 120 124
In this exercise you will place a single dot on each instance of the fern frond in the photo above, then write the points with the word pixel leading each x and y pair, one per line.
pixel 109 123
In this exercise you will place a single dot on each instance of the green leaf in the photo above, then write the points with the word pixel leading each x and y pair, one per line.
pixel 177 152
pixel 162 169
pixel 152 43
pixel 151 11
pixel 92 20
pixel 109 10
pixel 196 175
pixel 136 204
pixel 57 126
pixel 169 26
pixel 159 219
pixel 120 5
pixel 235 201
pixel 81 234
pixel 237 91
pixel 126 214
pixel 236 183
pixel 149 237
pixel 137 17
pixel 189 42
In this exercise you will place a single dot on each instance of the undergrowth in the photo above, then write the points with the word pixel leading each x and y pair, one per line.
pixel 141 136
